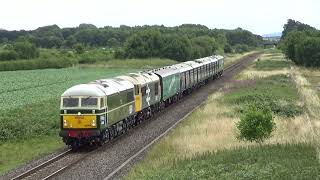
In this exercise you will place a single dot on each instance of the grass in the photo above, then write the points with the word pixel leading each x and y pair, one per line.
pixel 14 153
pixel 265 162
pixel 272 65
pixel 204 146
pixel 134 63
pixel 277 92
pixel 234 57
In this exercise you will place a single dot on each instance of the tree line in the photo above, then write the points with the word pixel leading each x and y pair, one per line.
pixel 181 43
pixel 301 43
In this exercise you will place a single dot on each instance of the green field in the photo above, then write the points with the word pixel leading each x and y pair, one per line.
pixel 30 102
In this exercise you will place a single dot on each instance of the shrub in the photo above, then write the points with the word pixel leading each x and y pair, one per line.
pixel 79 48
pixel 36 64
pixel 227 48
pixel 26 50
pixel 8 55
pixel 255 125
pixel 241 48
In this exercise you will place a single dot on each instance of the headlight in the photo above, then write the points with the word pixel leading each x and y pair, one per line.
pixel 93 123
pixel 65 123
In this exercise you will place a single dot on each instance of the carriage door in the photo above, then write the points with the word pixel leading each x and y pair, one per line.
pixel 104 116
pixel 138 97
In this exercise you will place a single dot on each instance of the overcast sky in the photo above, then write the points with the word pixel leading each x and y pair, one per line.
pixel 260 17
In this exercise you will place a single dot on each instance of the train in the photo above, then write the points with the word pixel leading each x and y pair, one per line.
pixel 98 111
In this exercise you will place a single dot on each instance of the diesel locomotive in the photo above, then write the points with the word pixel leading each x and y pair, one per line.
pixel 98 111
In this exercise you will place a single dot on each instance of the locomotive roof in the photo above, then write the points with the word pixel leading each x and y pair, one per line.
pixel 166 71
pixel 207 60
pixel 218 57
pixel 141 78
pixel 98 88
pixel 84 90
pixel 193 64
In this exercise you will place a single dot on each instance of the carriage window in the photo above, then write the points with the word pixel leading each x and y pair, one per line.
pixel 89 102
pixel 143 90
pixel 156 88
pixel 70 102
pixel 130 96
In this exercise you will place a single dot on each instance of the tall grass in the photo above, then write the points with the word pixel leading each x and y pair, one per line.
pixel 264 162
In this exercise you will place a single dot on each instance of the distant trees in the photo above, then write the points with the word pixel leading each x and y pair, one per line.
pixel 90 35
pixel 181 42
pixel 20 50
pixel 301 43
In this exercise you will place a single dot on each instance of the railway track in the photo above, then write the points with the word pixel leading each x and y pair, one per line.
pixel 65 160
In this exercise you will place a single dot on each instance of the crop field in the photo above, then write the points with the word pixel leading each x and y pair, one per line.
pixel 205 146
pixel 30 102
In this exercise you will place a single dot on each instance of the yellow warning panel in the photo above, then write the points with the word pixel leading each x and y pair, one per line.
pixel 79 121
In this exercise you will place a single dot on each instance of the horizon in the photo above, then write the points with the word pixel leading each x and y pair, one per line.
pixel 258 17
pixel 134 26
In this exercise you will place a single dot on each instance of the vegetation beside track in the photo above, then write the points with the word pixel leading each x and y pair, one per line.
pixel 205 145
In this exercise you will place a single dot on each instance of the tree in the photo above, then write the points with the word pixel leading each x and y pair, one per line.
pixel 241 48
pixel 79 48
pixel 293 25
pixel 203 46
pixel 144 44
pixel 177 47
pixel 255 125
pixel 25 50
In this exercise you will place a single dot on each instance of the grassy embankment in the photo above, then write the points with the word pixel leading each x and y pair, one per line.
pixel 30 103
pixel 204 145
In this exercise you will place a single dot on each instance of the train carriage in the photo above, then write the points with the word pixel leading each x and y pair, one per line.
pixel 219 64
pixel 170 83
pixel 196 71
pixel 147 89
pixel 185 74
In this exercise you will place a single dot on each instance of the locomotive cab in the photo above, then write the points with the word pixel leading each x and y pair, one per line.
pixel 83 113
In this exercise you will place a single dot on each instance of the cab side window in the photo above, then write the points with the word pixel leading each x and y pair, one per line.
pixel 136 89
pixel 143 90
pixel 102 102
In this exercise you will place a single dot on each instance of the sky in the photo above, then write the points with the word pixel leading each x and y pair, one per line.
pixel 258 16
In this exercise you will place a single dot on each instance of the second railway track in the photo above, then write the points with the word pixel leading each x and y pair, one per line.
pixel 58 166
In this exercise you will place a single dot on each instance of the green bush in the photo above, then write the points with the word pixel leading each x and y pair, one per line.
pixel 255 125
pixel 93 56
pixel 8 55
pixel 227 48
pixel 26 50
pixel 241 48
pixel 36 64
